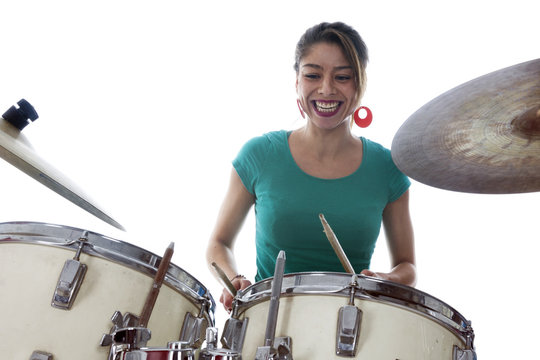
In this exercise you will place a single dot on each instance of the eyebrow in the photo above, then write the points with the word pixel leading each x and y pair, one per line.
pixel 320 67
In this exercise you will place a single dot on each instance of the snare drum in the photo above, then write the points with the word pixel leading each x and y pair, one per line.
pixel 114 277
pixel 335 315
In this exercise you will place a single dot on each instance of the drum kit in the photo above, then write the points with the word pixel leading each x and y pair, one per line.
pixel 85 294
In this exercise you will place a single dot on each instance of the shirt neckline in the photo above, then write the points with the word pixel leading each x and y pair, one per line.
pixel 287 133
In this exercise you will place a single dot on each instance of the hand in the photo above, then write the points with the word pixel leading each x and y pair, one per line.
pixel 226 298
pixel 377 275
pixel 404 273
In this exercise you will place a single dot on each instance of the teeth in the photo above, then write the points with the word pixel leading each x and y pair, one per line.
pixel 326 106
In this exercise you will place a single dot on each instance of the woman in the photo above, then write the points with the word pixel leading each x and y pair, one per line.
pixel 292 176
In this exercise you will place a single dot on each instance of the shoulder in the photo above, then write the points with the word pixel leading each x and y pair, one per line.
pixel 379 156
pixel 256 154
pixel 265 142
pixel 375 149
pixel 380 159
pixel 272 137
pixel 257 149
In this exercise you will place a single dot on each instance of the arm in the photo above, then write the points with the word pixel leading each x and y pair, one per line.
pixel 400 237
pixel 220 248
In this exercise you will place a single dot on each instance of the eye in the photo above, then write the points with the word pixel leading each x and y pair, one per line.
pixel 343 78
pixel 312 76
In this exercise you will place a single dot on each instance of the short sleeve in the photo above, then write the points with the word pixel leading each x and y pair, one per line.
pixel 250 161
pixel 399 182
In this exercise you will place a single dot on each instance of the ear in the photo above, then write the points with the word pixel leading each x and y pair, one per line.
pixel 296 84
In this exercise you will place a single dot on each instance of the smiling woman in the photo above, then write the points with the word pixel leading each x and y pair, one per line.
pixel 292 176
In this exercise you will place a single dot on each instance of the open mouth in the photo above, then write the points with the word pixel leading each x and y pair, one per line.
pixel 326 108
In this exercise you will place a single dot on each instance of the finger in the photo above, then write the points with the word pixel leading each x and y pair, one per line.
pixel 228 305
pixel 368 273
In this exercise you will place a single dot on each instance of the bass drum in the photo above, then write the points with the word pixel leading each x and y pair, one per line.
pixel 335 315
pixel 117 280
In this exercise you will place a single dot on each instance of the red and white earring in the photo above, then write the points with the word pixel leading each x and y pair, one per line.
pixel 300 108
pixel 363 122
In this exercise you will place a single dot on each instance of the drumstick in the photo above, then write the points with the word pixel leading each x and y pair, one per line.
pixel 224 280
pixel 154 291
pixel 336 246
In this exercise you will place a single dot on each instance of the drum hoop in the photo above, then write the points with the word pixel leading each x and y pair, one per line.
pixel 107 248
pixel 371 289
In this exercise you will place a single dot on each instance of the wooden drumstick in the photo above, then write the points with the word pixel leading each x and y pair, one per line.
pixel 158 281
pixel 336 246
pixel 224 280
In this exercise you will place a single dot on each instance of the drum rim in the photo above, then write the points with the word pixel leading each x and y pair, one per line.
pixel 372 289
pixel 105 247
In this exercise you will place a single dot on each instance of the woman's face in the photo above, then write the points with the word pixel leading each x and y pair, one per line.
pixel 325 86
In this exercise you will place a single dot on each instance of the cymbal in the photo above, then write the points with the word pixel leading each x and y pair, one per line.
pixel 17 150
pixel 480 137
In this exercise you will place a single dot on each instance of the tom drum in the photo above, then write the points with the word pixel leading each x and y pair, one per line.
pixel 55 307
pixel 337 315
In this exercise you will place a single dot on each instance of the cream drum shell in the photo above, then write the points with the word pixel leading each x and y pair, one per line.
pixel 388 330
pixel 28 277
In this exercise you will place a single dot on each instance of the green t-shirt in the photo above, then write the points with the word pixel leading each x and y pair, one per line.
pixel 288 203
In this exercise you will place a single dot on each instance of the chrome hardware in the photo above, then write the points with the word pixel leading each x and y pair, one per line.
pixel 234 333
pixel 273 307
pixel 264 353
pixel 348 326
pixel 177 350
pixel 193 330
pixel 119 321
pixel 348 330
pixel 234 330
pixel 70 279
pixel 211 352
pixel 177 345
pixel 219 354
pixel 68 284
pixel 281 350
pixel 270 351
pixel 133 338
pixel 460 354
pixel 180 350
pixel 469 335
pixel 211 338
pixel 135 355
pixel 129 341
pixel 468 353
pixel 41 355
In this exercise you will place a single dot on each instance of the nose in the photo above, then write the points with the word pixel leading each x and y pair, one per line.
pixel 327 86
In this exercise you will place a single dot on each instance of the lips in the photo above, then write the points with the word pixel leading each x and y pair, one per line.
pixel 326 107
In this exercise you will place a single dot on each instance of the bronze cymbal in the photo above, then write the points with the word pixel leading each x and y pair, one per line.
pixel 16 150
pixel 480 137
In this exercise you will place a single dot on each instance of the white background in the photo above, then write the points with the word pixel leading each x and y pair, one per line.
pixel 143 104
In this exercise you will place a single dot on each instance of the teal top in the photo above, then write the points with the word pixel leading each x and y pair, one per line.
pixel 288 203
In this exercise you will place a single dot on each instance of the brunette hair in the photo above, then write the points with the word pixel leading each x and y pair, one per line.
pixel 347 38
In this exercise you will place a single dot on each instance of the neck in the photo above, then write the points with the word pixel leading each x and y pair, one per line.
pixel 327 142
